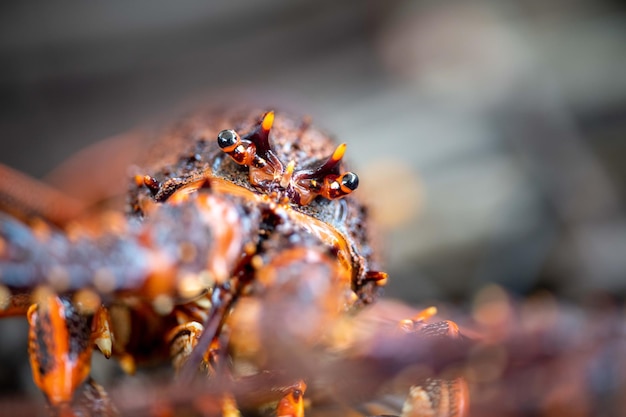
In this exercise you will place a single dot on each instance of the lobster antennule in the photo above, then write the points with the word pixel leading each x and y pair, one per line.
pixel 260 136
pixel 329 167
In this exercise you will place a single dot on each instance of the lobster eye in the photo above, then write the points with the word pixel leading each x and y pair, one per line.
pixel 227 139
pixel 350 181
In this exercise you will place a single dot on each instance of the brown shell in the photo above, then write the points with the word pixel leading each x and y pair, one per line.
pixel 188 151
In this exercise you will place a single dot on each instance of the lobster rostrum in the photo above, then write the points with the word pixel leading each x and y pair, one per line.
pixel 234 257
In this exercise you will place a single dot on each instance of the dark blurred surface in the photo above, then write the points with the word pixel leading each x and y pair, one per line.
pixel 490 135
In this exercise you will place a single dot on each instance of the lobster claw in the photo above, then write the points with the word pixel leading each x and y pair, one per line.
pixel 59 347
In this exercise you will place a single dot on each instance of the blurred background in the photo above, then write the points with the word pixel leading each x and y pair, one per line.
pixel 489 135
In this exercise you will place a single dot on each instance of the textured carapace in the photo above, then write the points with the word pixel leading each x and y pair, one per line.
pixel 275 166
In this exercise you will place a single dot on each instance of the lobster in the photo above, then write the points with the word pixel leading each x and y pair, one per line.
pixel 242 257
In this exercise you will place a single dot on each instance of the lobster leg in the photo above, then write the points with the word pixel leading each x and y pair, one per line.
pixel 435 397
pixel 292 403
pixel 182 340
pixel 59 347
pixel 60 344
pixel 90 400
